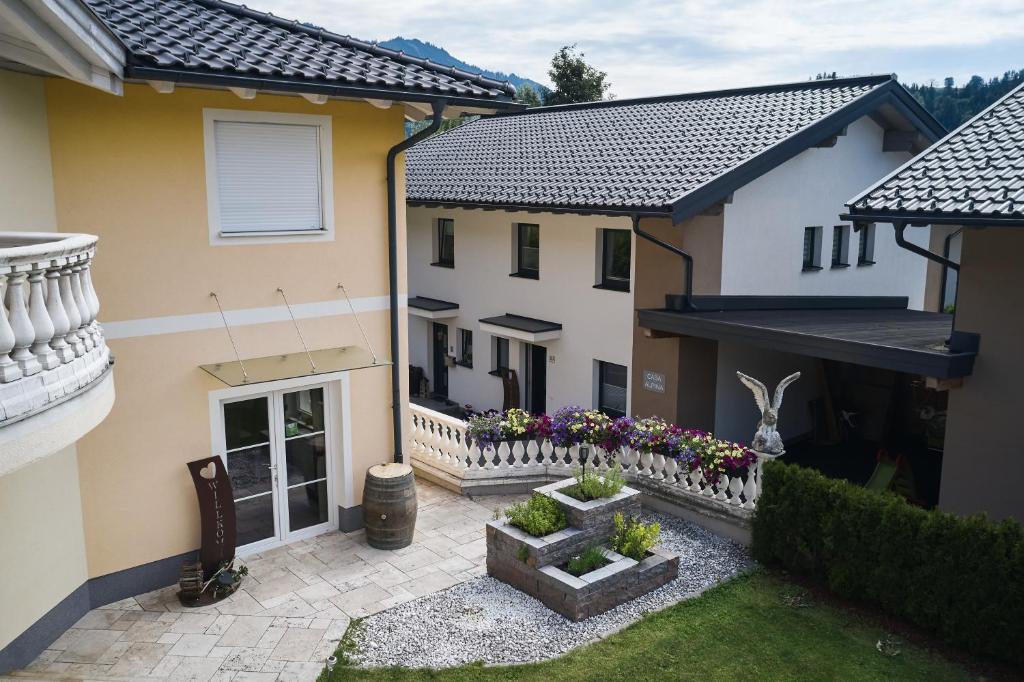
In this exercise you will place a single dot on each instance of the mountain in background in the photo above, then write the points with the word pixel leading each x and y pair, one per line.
pixel 418 48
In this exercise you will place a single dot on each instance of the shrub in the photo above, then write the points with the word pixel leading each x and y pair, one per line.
pixel 538 516
pixel 632 538
pixel 959 577
pixel 590 559
pixel 593 487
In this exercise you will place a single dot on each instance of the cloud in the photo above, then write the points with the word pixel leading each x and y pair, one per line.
pixel 653 47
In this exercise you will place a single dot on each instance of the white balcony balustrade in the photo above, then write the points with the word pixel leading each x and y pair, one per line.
pixel 51 346
pixel 438 449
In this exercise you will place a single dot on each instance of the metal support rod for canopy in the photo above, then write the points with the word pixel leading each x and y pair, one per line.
pixel 358 323
pixel 231 338
pixel 298 331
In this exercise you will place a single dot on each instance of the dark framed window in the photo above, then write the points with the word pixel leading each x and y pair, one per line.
pixel 866 246
pixel 500 355
pixel 527 250
pixel 611 388
pixel 812 248
pixel 466 348
pixel 840 246
pixel 445 243
pixel 615 255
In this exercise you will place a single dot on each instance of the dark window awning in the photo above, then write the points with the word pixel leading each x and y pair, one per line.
pixel 873 332
pixel 432 308
pixel 526 329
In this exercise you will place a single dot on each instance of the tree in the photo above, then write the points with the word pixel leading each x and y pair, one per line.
pixel 528 96
pixel 574 79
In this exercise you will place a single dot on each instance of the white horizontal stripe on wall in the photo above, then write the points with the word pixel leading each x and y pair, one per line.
pixel 173 324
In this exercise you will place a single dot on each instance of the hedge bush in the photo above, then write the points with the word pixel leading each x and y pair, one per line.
pixel 959 577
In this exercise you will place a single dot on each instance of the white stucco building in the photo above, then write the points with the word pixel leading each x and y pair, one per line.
pixel 748 183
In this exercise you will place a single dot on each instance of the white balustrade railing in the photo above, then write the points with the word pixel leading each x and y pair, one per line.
pixel 51 345
pixel 439 441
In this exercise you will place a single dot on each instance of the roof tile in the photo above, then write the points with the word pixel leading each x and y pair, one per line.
pixel 975 171
pixel 212 36
pixel 621 154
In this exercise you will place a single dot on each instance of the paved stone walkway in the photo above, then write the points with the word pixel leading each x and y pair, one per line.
pixel 290 612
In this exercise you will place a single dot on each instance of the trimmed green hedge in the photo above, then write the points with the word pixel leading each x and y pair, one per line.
pixel 959 577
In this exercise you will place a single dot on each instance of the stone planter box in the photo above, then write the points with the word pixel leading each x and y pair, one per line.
pixel 592 593
pixel 506 542
pixel 532 565
pixel 595 516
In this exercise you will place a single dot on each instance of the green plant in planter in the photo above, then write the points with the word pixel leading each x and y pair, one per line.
pixel 593 487
pixel 590 559
pixel 539 516
pixel 632 538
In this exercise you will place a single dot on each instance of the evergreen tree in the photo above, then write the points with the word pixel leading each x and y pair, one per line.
pixel 528 96
pixel 574 79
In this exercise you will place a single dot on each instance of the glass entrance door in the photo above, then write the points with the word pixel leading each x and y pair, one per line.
pixel 276 449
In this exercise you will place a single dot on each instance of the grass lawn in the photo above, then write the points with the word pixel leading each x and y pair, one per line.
pixel 756 627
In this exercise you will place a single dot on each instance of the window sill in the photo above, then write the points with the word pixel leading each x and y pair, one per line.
pixel 271 233
pixel 525 275
pixel 441 264
pixel 811 268
pixel 467 365
pixel 862 263
pixel 840 266
pixel 497 372
pixel 612 287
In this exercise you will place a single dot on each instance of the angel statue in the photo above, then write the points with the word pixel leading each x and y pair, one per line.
pixel 767 438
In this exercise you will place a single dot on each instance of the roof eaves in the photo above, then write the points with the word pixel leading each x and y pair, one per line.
pixel 719 187
pixel 924 218
pixel 183 76
pixel 582 209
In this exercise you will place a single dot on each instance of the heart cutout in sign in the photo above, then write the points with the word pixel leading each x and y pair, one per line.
pixel 209 471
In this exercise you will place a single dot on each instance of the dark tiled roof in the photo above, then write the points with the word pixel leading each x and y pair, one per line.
pixel 977 171
pixel 433 305
pixel 635 154
pixel 212 37
pixel 523 324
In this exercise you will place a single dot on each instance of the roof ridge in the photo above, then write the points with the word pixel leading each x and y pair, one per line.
pixel 349 41
pixel 876 79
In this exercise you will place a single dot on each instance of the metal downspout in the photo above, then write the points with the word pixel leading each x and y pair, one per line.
pixel 945 270
pixel 944 262
pixel 396 377
pixel 688 278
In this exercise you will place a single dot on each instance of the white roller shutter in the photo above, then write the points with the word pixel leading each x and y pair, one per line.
pixel 268 177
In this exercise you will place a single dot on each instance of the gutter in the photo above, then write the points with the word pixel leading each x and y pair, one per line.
pixel 688 279
pixel 438 106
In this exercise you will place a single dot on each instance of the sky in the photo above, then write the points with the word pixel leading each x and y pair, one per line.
pixel 650 48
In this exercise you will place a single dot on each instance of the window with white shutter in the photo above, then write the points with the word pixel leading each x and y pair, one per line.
pixel 267 174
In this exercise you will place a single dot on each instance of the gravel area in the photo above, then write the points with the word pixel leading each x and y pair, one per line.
pixel 487 620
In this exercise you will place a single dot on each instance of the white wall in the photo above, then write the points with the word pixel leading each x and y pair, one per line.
pixel 736 413
pixel 762 249
pixel 596 324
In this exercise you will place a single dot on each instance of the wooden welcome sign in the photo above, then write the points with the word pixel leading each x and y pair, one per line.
pixel 216 513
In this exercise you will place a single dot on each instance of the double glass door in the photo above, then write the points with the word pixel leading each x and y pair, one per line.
pixel 276 455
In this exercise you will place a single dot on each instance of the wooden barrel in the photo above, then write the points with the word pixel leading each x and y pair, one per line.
pixel 389 506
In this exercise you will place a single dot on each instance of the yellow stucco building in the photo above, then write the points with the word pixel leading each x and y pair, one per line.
pixel 252 164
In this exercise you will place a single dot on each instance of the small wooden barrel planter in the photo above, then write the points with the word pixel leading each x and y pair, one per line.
pixel 389 505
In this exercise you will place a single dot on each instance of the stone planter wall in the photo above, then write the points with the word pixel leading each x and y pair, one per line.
pixel 536 569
